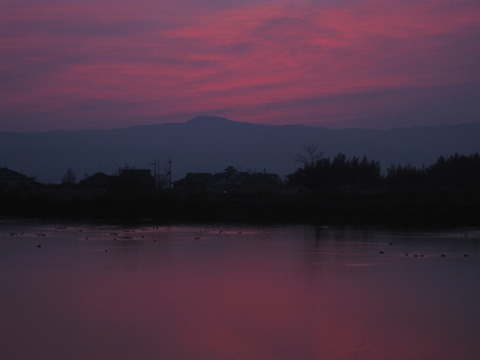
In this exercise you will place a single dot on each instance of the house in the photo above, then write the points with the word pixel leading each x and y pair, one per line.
pixel 259 182
pixel 132 178
pixel 10 178
pixel 225 182
pixel 244 182
pixel 136 178
pixel 194 182
pixel 97 180
pixel 230 181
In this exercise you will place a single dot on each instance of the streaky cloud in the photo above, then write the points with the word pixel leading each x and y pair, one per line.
pixel 248 59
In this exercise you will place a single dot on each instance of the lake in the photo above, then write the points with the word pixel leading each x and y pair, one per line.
pixel 85 291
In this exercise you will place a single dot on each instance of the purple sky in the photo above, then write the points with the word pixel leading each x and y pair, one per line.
pixel 335 63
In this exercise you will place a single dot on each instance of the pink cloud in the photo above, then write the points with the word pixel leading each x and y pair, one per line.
pixel 240 60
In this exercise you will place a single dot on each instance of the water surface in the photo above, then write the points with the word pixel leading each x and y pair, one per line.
pixel 79 291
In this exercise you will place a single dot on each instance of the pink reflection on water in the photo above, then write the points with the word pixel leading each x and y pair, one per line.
pixel 258 295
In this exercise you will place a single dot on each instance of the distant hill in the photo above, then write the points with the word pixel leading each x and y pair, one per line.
pixel 210 144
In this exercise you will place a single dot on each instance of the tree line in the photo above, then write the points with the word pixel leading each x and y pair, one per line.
pixel 321 190
pixel 460 172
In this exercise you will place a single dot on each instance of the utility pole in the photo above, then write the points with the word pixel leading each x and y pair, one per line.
pixel 155 175
pixel 169 173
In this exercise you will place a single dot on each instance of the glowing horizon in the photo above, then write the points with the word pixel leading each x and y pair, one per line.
pixel 364 63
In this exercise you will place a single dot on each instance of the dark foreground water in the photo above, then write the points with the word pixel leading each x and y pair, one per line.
pixel 237 292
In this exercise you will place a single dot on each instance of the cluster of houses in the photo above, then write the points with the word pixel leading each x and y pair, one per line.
pixel 228 181
pixel 126 178
pixel 13 179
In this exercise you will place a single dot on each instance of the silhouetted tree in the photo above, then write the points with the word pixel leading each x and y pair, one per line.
pixel 456 171
pixel 337 174
pixel 405 177
pixel 69 177
pixel 310 155
pixel 230 171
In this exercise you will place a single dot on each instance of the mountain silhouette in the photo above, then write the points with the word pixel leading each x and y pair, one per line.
pixel 210 144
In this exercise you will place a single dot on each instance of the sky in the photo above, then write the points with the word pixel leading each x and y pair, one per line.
pixel 68 64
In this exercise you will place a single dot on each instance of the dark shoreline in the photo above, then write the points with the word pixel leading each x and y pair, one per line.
pixel 439 208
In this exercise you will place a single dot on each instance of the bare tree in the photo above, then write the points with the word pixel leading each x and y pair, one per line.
pixel 310 155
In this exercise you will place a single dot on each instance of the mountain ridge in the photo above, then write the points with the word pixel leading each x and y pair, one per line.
pixel 210 144
pixel 217 120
